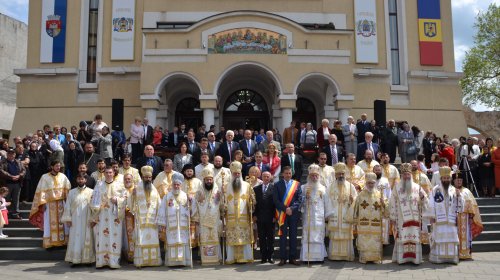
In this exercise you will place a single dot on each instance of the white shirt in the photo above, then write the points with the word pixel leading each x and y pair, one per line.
pixel 326 132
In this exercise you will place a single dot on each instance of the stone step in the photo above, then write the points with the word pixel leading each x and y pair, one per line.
pixel 22 232
pixel 486 246
pixel 489 236
pixel 25 206
pixel 24 223
pixel 490 217
pixel 491 226
pixel 32 253
pixel 488 209
pixel 25 214
pixel 488 201
pixel 21 242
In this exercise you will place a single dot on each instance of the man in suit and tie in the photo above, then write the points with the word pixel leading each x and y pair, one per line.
pixel 363 126
pixel 227 149
pixel 192 145
pixel 258 162
pixel 367 145
pixel 290 134
pixel 248 147
pixel 213 145
pixel 203 148
pixel 148 132
pixel 150 159
pixel 264 216
pixel 334 153
pixel 302 134
pixel 287 199
pixel 294 161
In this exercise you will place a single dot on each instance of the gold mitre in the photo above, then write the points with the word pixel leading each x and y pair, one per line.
pixel 340 167
pixel 235 167
pixel 147 170
pixel 370 177
pixel 445 171
pixel 207 172
pixel 405 168
pixel 313 169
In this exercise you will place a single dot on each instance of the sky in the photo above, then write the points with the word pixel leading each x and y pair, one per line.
pixel 464 13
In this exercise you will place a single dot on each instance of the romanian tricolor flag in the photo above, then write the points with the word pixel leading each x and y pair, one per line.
pixel 429 32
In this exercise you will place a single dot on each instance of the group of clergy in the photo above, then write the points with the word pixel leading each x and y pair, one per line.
pixel 127 215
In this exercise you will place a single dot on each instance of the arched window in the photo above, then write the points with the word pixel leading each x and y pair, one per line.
pixel 246 109
pixel 306 112
pixel 245 101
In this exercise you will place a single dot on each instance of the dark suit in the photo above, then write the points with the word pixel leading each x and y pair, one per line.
pixel 195 151
pixel 389 142
pixel 90 182
pixel 171 139
pixel 340 154
pixel 297 165
pixel 264 211
pixel 224 152
pixel 290 225
pixel 248 153
pixel 91 161
pixel 362 127
pixel 213 150
pixel 156 163
pixel 148 135
pixel 362 147
pixel 197 156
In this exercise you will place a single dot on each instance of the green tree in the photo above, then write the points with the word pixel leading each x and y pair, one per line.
pixel 480 83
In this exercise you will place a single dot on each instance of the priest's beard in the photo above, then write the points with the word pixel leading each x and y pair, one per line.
pixel 209 186
pixel 446 185
pixel 81 186
pixel 341 180
pixel 176 191
pixel 379 175
pixel 217 166
pixel 148 186
pixel 407 186
pixel 237 184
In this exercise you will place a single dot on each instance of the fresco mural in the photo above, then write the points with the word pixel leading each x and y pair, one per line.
pixel 247 41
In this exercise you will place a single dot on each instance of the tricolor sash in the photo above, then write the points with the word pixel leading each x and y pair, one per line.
pixel 287 199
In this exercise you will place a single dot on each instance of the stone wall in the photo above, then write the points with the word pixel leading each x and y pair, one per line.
pixel 13 43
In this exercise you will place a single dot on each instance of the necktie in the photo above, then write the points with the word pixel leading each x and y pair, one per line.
pixel 230 148
pixel 370 147
pixel 291 164
pixel 249 148
pixel 334 156
pixel 303 137
pixel 265 188
pixel 191 146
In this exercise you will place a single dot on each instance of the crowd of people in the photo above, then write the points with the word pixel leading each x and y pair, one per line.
pixel 107 196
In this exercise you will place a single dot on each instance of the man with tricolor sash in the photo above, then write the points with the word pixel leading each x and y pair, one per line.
pixel 288 199
pixel 342 195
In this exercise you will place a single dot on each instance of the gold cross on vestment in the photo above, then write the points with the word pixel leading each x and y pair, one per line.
pixel 377 205
pixel 364 204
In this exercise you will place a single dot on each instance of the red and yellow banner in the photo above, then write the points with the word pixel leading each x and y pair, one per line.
pixel 430 33
pixel 286 201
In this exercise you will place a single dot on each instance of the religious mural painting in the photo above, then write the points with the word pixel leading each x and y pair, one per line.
pixel 247 41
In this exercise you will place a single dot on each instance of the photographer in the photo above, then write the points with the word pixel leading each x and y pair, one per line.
pixel 469 153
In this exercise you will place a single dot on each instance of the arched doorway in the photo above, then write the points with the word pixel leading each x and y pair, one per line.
pixel 246 109
pixel 306 112
pixel 188 112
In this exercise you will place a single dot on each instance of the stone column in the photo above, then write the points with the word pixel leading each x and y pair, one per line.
pixel 208 103
pixel 287 103
pixel 286 118
pixel 343 114
pixel 208 116
pixel 150 104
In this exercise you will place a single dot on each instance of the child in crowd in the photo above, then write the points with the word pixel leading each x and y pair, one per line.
pixel 4 220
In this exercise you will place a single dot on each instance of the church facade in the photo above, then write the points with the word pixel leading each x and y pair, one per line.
pixel 239 64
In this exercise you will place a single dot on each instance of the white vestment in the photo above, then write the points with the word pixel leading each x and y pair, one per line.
pixel 145 208
pixel 313 224
pixel 208 208
pixel 327 175
pixel 356 176
pixel 406 210
pixel 174 214
pixel 81 238
pixel 443 207
pixel 341 199
pixel 385 189
pixel 132 171
pixel 108 218
pixel 367 167
pixel 198 168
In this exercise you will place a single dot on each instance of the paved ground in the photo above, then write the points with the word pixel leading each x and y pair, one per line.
pixel 484 266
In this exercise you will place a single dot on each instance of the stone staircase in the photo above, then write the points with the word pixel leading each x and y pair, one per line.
pixel 25 241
